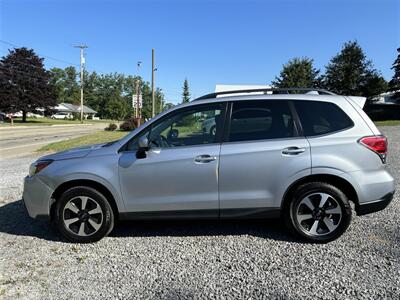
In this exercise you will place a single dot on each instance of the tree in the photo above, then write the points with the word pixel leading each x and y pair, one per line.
pixel 298 73
pixel 394 84
pixel 185 93
pixel 66 84
pixel 109 94
pixel 24 83
pixel 350 73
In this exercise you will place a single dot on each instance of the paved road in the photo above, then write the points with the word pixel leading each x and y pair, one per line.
pixel 20 141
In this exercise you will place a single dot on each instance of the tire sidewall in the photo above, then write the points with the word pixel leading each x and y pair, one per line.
pixel 340 197
pixel 108 216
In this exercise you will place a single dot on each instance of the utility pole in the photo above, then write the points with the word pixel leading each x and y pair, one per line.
pixel 153 69
pixel 138 114
pixel 82 62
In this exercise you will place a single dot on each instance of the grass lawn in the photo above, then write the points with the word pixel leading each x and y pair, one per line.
pixel 94 138
pixel 388 123
pixel 48 121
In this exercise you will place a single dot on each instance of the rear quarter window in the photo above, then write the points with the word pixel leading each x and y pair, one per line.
pixel 319 118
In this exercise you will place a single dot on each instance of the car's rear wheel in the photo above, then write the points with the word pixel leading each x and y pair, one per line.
pixel 83 215
pixel 318 212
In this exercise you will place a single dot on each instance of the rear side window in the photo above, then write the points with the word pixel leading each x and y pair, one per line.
pixel 321 117
pixel 259 120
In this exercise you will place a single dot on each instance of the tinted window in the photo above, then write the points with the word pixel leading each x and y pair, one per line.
pixel 186 127
pixel 258 120
pixel 321 117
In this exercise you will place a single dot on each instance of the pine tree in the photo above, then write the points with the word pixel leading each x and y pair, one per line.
pixel 186 93
pixel 298 73
pixel 350 73
pixel 24 83
pixel 394 84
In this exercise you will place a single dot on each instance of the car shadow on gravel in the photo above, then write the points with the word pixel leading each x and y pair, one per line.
pixel 15 220
pixel 268 229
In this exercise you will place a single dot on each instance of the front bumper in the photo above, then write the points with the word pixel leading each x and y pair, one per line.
pixel 374 206
pixel 37 197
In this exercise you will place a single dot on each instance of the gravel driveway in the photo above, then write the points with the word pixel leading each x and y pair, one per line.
pixel 179 260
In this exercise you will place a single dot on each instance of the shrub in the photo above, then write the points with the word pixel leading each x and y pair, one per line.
pixel 111 127
pixel 128 125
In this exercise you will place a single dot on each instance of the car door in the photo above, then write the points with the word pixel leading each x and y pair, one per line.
pixel 179 173
pixel 261 154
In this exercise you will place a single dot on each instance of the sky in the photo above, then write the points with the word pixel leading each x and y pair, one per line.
pixel 207 42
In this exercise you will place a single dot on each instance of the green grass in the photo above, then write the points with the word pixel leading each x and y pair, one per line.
pixel 48 122
pixel 388 123
pixel 94 138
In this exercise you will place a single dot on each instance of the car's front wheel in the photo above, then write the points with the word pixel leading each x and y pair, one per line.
pixel 83 215
pixel 318 212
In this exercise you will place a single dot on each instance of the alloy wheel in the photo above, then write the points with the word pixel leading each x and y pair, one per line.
pixel 82 216
pixel 318 214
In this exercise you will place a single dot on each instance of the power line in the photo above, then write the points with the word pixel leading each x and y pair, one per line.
pixel 34 77
pixel 87 67
pixel 46 56
pixel 34 66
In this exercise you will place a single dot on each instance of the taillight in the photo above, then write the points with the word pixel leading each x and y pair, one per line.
pixel 377 143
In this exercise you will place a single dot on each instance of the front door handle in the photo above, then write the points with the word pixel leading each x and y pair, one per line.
pixel 293 151
pixel 204 158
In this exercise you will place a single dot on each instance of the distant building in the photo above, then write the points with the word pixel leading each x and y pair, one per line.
pixel 385 98
pixel 70 109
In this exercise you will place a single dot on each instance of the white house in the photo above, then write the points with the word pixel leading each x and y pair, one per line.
pixel 385 98
pixel 70 109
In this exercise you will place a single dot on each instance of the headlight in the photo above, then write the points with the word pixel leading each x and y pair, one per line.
pixel 38 166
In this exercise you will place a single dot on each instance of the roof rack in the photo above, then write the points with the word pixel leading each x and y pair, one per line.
pixel 273 90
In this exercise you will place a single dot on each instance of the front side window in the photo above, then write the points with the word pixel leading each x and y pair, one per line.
pixel 259 120
pixel 187 127
pixel 321 117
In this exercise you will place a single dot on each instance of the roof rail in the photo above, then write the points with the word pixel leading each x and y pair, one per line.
pixel 273 90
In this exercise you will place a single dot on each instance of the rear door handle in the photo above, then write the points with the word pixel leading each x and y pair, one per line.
pixel 204 158
pixel 293 151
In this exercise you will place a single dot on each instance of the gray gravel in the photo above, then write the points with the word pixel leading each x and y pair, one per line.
pixel 179 260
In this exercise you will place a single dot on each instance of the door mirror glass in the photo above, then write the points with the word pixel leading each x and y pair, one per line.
pixel 143 143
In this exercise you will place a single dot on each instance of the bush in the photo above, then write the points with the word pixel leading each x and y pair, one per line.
pixel 128 125
pixel 111 127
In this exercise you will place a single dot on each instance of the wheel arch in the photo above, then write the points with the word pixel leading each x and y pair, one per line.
pixel 88 183
pixel 344 185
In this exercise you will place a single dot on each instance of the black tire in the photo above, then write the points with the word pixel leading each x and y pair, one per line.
pixel 337 197
pixel 95 198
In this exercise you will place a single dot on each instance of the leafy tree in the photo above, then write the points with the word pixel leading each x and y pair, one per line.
pixel 24 83
pixel 394 84
pixel 116 109
pixel 185 93
pixel 298 73
pixel 109 94
pixel 66 84
pixel 350 73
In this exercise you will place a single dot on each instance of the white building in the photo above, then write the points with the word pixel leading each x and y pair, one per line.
pixel 70 109
pixel 385 98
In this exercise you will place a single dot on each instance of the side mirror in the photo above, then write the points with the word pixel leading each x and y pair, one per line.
pixel 143 144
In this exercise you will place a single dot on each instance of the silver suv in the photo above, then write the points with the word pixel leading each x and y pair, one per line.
pixel 301 155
